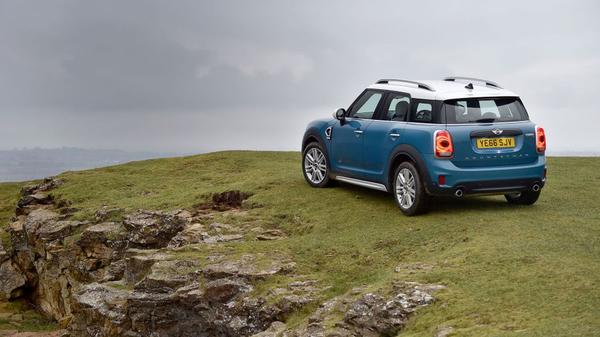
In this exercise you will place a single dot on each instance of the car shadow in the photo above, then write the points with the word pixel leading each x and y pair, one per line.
pixel 439 204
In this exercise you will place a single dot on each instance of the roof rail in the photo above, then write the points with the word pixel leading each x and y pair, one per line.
pixel 418 84
pixel 487 82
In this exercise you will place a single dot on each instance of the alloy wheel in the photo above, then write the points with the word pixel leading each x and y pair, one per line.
pixel 405 188
pixel 315 165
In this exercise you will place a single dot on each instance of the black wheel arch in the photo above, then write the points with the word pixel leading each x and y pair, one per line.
pixel 312 135
pixel 405 152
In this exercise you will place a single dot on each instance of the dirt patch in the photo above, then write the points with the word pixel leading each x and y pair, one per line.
pixel 225 201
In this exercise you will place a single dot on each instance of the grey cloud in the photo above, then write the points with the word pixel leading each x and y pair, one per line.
pixel 146 72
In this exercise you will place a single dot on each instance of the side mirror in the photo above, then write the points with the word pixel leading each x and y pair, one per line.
pixel 340 114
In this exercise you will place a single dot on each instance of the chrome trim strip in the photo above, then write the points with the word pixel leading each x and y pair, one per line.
pixel 363 183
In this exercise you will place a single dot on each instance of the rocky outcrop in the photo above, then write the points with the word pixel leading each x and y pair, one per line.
pixel 180 297
pixel 157 273
pixel 361 314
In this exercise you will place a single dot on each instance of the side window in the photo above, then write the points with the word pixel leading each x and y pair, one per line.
pixel 366 105
pixel 423 113
pixel 396 107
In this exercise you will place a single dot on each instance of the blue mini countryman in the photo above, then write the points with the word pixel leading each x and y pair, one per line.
pixel 460 136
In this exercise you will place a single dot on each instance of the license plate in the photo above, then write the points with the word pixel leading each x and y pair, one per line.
pixel 494 143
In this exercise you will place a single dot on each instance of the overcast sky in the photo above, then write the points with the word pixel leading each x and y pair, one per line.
pixel 193 76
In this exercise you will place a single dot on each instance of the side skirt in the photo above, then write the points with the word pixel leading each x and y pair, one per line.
pixel 359 182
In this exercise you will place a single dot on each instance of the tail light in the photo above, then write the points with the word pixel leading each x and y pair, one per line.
pixel 540 139
pixel 443 146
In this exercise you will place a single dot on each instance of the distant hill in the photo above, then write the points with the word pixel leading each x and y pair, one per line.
pixel 28 164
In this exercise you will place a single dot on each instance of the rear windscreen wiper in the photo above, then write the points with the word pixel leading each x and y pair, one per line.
pixel 485 120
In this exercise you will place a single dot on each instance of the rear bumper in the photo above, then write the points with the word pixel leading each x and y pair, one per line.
pixel 485 180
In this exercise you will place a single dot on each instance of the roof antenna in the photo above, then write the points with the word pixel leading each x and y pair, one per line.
pixel 469 86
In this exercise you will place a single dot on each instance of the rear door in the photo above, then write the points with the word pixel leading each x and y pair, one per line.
pixel 348 136
pixel 385 133
pixel 492 131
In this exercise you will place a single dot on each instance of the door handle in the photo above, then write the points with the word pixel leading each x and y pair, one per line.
pixel 394 135
pixel 358 132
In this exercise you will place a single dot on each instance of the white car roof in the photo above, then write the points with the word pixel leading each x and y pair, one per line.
pixel 452 88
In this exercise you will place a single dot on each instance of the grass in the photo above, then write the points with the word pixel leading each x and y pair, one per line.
pixel 9 194
pixel 21 317
pixel 510 271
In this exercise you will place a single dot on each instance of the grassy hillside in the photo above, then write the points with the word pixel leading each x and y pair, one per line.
pixel 510 271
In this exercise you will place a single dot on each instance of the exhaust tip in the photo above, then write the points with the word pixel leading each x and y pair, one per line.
pixel 535 187
pixel 458 193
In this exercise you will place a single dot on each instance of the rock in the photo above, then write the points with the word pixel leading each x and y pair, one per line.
pixel 184 214
pixel 220 238
pixel 105 213
pixel 114 271
pixel 195 233
pixel 105 241
pixel 153 229
pixel 16 231
pixel 411 268
pixel 444 331
pixel 276 329
pixel 302 284
pixel 373 312
pixel 271 234
pixel 38 217
pixel 138 264
pixel 11 281
pixel 191 293
pixel 191 234
pixel 221 227
pixel 223 290
pixel 38 198
pixel 246 268
pixel 3 253
pixel 46 185
pixel 55 230
pixel 101 311
pixel 291 303
pixel 34 196
pixel 168 275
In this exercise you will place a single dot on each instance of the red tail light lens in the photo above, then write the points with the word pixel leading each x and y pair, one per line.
pixel 540 139
pixel 443 146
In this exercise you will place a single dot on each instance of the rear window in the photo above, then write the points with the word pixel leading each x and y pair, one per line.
pixel 485 110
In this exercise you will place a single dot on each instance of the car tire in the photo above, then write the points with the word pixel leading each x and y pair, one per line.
pixel 406 180
pixel 523 198
pixel 315 165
